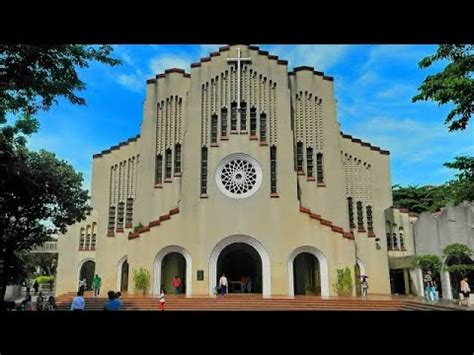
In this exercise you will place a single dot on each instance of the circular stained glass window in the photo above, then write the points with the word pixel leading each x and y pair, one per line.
pixel 238 176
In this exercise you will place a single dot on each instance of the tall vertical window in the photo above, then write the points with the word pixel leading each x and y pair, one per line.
pixel 177 158
pixel 120 215
pixel 233 117
pixel 94 236
pixel 224 122
pixel 299 157
pixel 319 168
pixel 273 170
pixel 88 237
pixel 168 164
pixel 82 239
pixel 263 127
pixel 253 121
pixel 243 116
pixel 159 169
pixel 214 129
pixel 309 162
pixel 370 222
pixel 111 224
pixel 350 207
pixel 402 242
pixel 360 217
pixel 129 213
pixel 389 241
pixel 204 171
pixel 395 241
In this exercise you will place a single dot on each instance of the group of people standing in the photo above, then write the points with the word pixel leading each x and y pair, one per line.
pixel 96 284
pixel 114 302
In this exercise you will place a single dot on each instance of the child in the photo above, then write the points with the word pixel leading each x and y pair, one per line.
pixel 162 300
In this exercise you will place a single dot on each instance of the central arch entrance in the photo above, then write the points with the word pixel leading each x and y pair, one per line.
pixel 223 259
pixel 173 265
pixel 238 261
pixel 306 275
pixel 172 261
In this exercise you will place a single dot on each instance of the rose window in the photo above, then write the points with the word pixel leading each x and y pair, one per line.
pixel 238 176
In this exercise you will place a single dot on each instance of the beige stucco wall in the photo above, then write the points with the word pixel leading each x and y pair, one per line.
pixel 276 223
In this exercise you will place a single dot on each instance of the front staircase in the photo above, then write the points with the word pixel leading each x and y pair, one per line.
pixel 253 303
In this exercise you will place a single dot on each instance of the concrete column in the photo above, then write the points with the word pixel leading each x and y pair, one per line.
pixel 406 278
pixel 446 285
pixel 419 283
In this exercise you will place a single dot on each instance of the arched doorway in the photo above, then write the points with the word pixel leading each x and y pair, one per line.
pixel 124 277
pixel 455 277
pixel 173 264
pixel 311 271
pixel 306 275
pixel 87 271
pixel 252 242
pixel 237 261
pixel 160 272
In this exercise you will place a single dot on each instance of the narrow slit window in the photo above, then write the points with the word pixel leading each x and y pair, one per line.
pixel 273 170
pixel 224 122
pixel 177 158
pixel 389 241
pixel 129 212
pixel 243 116
pixel 299 157
pixel 360 217
pixel 204 171
pixel 233 117
pixel 120 215
pixel 82 239
pixel 350 207
pixel 159 169
pixel 111 225
pixel 168 164
pixel 214 129
pixel 263 127
pixel 253 121
pixel 319 167
pixel 370 223
pixel 309 162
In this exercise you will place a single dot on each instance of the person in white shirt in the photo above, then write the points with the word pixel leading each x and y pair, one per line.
pixel 78 303
pixel 162 299
pixel 223 284
pixel 465 290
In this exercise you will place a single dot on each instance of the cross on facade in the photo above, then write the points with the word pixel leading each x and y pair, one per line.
pixel 238 60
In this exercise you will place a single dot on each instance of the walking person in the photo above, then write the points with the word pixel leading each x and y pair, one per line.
pixel 465 292
pixel 223 284
pixel 96 283
pixel 176 285
pixel 39 302
pixel 428 279
pixel 364 285
pixel 114 303
pixel 162 299
pixel 82 285
pixel 36 286
pixel 50 305
pixel 78 303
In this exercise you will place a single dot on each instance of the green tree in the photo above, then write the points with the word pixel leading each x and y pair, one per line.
pixel 428 262
pixel 32 77
pixel 141 278
pixel 39 194
pixel 462 188
pixel 458 263
pixel 421 198
pixel 454 84
pixel 343 285
pixel 46 262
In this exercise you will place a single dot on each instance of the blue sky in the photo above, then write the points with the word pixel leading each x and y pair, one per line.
pixel 373 87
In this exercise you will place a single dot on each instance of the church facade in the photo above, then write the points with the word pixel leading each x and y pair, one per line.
pixel 240 168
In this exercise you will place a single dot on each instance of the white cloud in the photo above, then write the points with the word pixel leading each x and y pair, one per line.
pixel 321 57
pixel 134 81
pixel 397 91
pixel 159 64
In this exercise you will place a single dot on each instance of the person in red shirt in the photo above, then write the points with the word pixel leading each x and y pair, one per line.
pixel 176 285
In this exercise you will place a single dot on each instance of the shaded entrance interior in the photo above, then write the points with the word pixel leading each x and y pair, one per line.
pixel 306 275
pixel 124 277
pixel 87 272
pixel 237 261
pixel 173 264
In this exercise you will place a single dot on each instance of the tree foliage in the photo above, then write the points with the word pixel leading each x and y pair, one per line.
pixel 428 262
pixel 454 84
pixel 432 198
pixel 39 194
pixel 141 278
pixel 343 286
pixel 32 77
